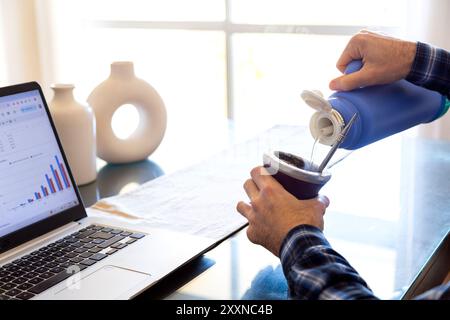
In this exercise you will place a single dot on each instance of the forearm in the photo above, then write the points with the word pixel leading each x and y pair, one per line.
pixel 315 271
pixel 431 69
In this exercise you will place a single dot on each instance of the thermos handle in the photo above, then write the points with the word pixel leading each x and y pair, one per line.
pixel 353 66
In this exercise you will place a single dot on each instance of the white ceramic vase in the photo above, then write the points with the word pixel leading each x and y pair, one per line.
pixel 75 124
pixel 123 87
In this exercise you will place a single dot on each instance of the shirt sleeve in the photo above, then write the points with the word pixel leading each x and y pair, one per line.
pixel 431 69
pixel 315 271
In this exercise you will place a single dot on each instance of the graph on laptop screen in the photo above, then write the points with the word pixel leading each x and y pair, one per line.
pixel 34 182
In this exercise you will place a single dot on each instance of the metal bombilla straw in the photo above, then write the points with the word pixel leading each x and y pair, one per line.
pixel 336 145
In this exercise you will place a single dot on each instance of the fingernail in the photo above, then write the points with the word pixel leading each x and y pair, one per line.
pixel 324 199
pixel 334 85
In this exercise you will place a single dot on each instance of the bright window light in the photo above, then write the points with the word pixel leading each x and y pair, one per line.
pixel 209 59
pixel 380 13
pixel 125 121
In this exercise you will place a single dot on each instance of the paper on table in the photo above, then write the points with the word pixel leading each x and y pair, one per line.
pixel 199 200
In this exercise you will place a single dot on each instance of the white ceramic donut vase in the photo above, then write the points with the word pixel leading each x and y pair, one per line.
pixel 123 87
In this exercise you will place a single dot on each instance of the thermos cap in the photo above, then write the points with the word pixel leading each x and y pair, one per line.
pixel 326 124
pixel 315 99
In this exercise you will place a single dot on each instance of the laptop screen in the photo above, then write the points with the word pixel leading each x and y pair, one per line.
pixel 34 181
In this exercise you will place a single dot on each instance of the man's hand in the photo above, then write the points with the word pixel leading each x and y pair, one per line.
pixel 273 211
pixel 385 60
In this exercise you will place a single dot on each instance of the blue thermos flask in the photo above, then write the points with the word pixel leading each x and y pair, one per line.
pixel 381 110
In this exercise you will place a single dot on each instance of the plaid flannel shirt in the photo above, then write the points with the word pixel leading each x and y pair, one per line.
pixel 315 271
pixel 431 69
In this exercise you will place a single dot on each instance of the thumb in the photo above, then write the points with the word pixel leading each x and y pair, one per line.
pixel 324 200
pixel 350 81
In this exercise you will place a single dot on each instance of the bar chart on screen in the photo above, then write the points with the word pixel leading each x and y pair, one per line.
pixel 32 174
pixel 34 179
pixel 55 181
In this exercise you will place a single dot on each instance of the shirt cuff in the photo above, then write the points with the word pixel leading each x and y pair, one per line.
pixel 298 240
pixel 431 69
pixel 419 73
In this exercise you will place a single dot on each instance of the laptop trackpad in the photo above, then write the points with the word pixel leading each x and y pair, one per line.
pixel 107 283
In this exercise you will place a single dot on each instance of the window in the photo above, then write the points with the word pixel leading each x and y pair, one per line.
pixel 247 60
pixel 244 59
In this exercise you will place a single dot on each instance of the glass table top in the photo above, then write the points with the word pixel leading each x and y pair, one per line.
pixel 390 207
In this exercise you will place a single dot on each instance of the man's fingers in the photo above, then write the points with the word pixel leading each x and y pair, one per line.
pixel 262 177
pixel 351 52
pixel 244 209
pixel 344 60
pixel 251 189
pixel 361 78
pixel 324 200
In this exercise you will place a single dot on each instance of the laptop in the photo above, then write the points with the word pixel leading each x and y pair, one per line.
pixel 49 247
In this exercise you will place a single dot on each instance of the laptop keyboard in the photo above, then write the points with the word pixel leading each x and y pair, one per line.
pixel 42 269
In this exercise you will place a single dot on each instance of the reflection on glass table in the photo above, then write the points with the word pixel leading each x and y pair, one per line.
pixel 236 269
pixel 115 179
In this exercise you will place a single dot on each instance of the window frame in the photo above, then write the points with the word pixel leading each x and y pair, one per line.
pixel 229 28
